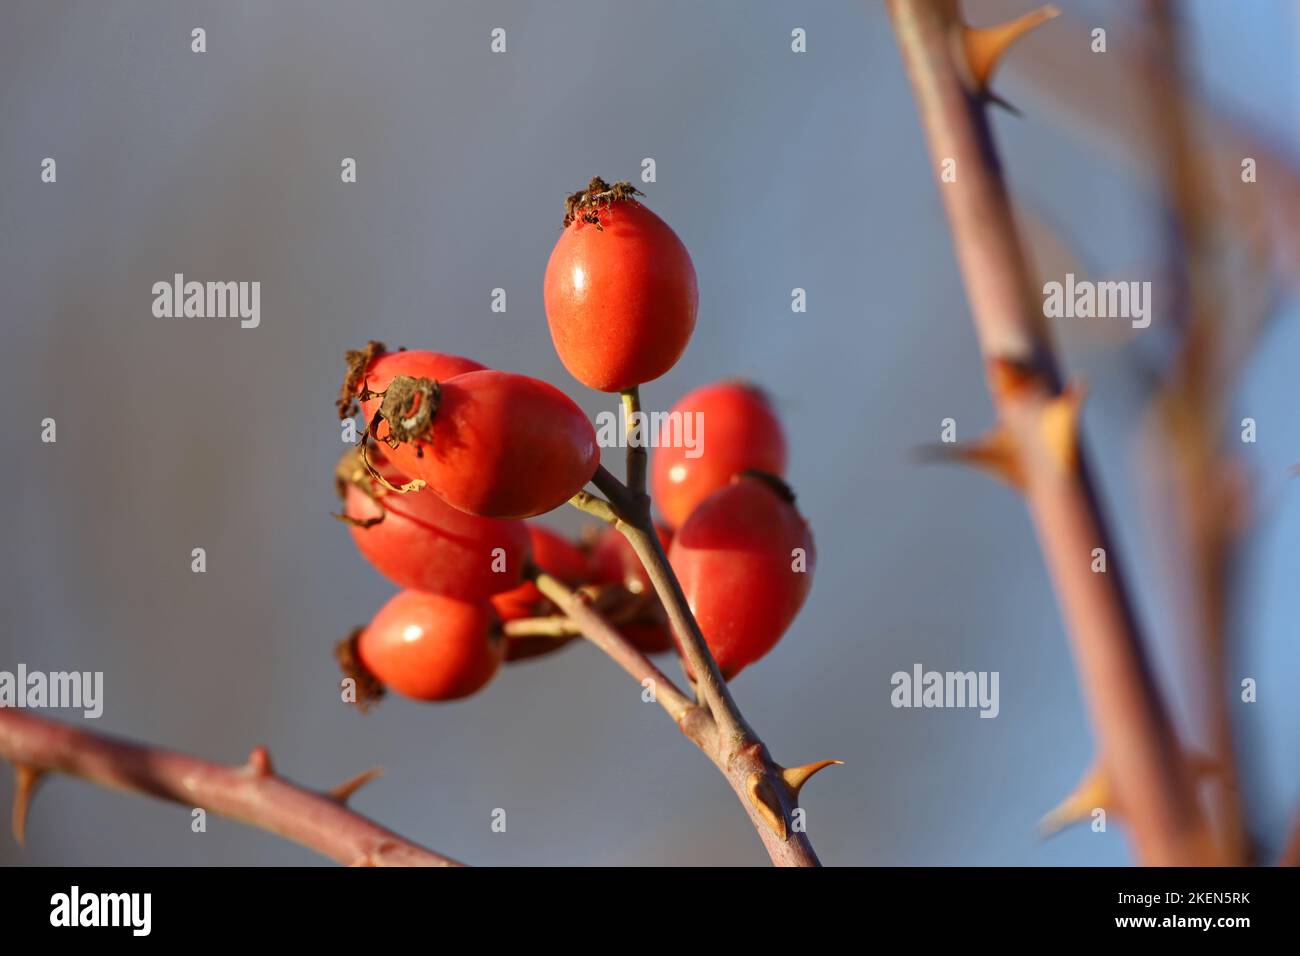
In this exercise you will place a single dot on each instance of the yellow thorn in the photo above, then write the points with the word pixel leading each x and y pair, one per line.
pixel 985 46
pixel 343 791
pixel 1091 792
pixel 1060 426
pixel 796 777
pixel 1094 791
pixel 993 452
pixel 26 779
pixel 766 802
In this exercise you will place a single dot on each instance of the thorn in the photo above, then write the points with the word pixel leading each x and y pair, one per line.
pixel 1091 792
pixel 997 100
pixel 985 46
pixel 259 762
pixel 763 796
pixel 992 452
pixel 796 777
pixel 1060 425
pixel 1094 791
pixel 343 791
pixel 26 779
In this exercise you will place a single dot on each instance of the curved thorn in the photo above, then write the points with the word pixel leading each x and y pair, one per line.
pixel 796 777
pixel 26 779
pixel 993 453
pixel 343 791
pixel 1092 791
pixel 984 47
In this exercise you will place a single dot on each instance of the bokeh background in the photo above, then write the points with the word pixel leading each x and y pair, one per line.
pixel 779 171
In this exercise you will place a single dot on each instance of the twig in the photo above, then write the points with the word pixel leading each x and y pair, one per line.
pixel 594 505
pixel 636 439
pixel 252 793
pixel 593 625
pixel 552 626
pixel 768 792
pixel 1138 744
pixel 632 519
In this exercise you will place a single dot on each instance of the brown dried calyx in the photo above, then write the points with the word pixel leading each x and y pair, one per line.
pixel 358 361
pixel 354 470
pixel 370 690
pixel 586 204
pixel 408 406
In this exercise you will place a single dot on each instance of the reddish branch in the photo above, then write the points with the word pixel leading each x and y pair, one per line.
pixel 1140 750
pixel 252 793
pixel 1204 488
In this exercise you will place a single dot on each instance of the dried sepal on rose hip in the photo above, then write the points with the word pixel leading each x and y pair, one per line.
pixel 620 290
pixel 738 431
pixel 372 369
pixel 427 647
pixel 745 560
pixel 489 443
pixel 419 541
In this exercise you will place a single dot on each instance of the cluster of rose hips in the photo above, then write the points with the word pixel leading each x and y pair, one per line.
pixel 456 456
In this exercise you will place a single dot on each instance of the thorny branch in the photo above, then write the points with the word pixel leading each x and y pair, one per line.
pixel 949 64
pixel 768 791
pixel 252 793
pixel 1203 485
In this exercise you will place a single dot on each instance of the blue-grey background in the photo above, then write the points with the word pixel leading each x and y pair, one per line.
pixel 778 170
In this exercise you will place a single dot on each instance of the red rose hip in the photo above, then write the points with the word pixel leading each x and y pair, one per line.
pixel 619 290
pixel 430 647
pixel 745 561
pixel 490 443
pixel 419 541
pixel 738 431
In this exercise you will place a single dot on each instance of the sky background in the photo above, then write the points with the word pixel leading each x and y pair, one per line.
pixel 778 171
